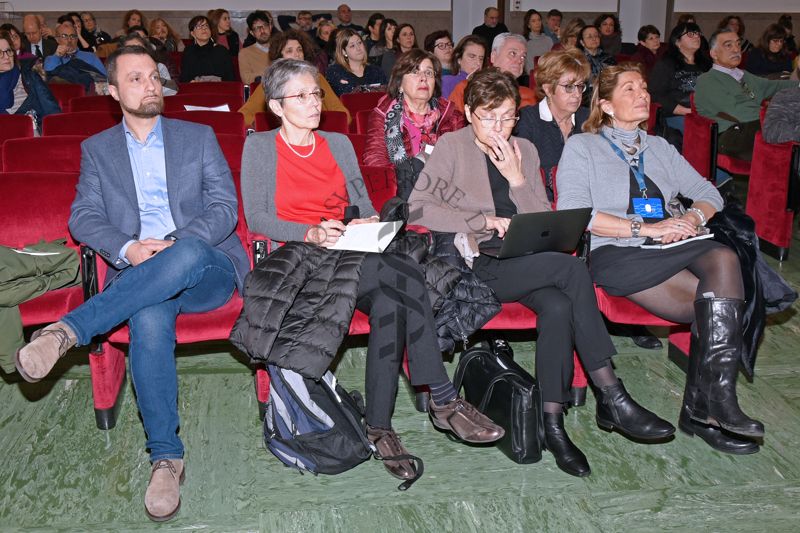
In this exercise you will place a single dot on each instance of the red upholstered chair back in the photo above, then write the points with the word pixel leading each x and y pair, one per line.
pixel 56 153
pixel 359 143
pixel 355 102
pixel 15 126
pixel 233 88
pixel 94 103
pixel 266 121
pixel 36 206
pixel 335 121
pixel 176 102
pixel 654 119
pixel 230 122
pixel 532 77
pixel 64 92
pixel 232 146
pixel 362 121
pixel 698 143
pixel 177 60
pixel 86 123
pixel 381 184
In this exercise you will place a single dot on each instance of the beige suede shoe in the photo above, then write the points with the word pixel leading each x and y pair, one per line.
pixel 162 501
pixel 37 358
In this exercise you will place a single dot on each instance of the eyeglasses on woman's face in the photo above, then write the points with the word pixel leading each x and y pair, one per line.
pixel 444 46
pixel 491 122
pixel 424 74
pixel 307 97
pixel 570 88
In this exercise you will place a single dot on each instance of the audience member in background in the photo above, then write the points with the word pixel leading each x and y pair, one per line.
pixel 304 21
pixel 570 34
pixel 770 58
pixel 350 70
pixel 610 33
pixel 92 32
pixel 373 30
pixel 589 42
pixel 440 44
pixel 21 89
pixel 222 32
pixel 498 177
pixel 673 78
pixel 161 56
pixel 629 178
pixel 648 49
pixel 405 39
pixel 782 120
pixel 75 19
pixel 70 64
pixel 509 51
pixel 491 27
pixel 168 85
pixel 296 185
pixel 408 121
pixel 345 16
pixel 561 79
pixel 164 37
pixel 254 59
pixel 38 44
pixel 538 42
pixel 785 21
pixel 735 23
pixel 131 18
pixel 553 27
pixel 732 97
pixel 322 37
pixel 385 41
pixel 204 60
pixel 469 56
pixel 250 40
pixel 291 44
pixel 18 42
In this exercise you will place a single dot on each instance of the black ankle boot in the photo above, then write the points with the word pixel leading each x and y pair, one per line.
pixel 714 366
pixel 715 437
pixel 568 457
pixel 617 410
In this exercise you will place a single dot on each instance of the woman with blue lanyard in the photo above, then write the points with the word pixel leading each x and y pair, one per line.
pixel 629 179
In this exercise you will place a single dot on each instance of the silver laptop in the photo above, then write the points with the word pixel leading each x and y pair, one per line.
pixel 548 231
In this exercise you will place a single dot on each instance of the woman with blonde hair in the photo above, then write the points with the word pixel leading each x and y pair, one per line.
pixel 350 70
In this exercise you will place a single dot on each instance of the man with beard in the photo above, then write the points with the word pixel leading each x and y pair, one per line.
pixel 253 60
pixel 156 201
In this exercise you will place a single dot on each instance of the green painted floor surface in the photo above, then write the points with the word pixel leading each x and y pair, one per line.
pixel 61 473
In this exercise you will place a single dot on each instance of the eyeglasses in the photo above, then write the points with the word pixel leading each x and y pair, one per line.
pixel 305 98
pixel 692 34
pixel 259 28
pixel 443 46
pixel 570 88
pixel 201 26
pixel 490 122
pixel 7 53
pixel 778 40
pixel 69 36
pixel 424 74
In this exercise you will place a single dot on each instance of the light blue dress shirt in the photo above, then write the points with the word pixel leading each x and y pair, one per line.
pixel 52 62
pixel 149 168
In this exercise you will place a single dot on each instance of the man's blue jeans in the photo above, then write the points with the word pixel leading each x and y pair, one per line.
pixel 188 277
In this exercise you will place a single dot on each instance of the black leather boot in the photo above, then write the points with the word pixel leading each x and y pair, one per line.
pixel 569 458
pixel 577 396
pixel 714 366
pixel 717 438
pixel 616 410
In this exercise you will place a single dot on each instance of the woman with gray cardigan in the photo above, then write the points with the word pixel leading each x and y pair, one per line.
pixel 629 179
pixel 475 180
pixel 297 184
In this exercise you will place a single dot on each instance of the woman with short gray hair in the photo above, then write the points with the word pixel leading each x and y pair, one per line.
pixel 300 186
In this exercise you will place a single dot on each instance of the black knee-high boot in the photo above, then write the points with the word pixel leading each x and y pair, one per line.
pixel 714 365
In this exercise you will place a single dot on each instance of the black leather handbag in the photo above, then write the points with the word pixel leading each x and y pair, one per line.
pixel 506 393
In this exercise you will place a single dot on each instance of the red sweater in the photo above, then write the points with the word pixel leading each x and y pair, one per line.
pixel 376 153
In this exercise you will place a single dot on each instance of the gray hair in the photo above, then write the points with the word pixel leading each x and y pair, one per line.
pixel 501 39
pixel 712 41
pixel 281 71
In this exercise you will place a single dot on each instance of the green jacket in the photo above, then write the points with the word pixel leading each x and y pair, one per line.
pixel 717 92
pixel 24 277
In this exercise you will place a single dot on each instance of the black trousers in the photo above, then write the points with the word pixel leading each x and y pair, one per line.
pixel 392 292
pixel 737 141
pixel 558 288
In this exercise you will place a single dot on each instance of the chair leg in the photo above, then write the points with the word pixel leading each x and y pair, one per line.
pixel 262 390
pixel 107 367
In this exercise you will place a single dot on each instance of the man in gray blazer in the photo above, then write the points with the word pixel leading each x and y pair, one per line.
pixel 157 201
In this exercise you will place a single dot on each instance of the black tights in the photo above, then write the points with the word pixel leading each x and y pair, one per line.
pixel 716 271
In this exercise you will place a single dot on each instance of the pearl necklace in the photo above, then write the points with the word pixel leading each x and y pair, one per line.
pixel 313 145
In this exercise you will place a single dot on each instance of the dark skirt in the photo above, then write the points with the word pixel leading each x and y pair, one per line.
pixel 624 270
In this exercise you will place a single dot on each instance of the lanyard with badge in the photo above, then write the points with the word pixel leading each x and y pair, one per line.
pixel 644 206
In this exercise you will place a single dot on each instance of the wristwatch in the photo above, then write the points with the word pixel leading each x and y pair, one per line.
pixel 636 227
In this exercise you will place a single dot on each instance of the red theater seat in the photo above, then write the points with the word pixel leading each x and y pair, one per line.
pixel 94 103
pixel 86 123
pixel 355 102
pixel 266 121
pixel 178 101
pixel 233 88
pixel 362 121
pixel 359 143
pixel 15 127
pixel 335 121
pixel 56 153
pixel 64 92
pixel 225 122
pixel 232 146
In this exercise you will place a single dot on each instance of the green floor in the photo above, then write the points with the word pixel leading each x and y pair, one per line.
pixel 61 473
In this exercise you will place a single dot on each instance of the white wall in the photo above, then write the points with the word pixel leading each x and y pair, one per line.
pixel 633 14
pixel 238 5
pixel 564 5
pixel 736 6
pixel 467 14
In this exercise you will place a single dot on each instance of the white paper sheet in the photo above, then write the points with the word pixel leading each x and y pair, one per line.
pixel 371 237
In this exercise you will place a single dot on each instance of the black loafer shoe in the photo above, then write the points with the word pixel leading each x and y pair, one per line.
pixel 648 342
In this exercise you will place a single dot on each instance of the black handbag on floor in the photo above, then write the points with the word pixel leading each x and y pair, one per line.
pixel 506 393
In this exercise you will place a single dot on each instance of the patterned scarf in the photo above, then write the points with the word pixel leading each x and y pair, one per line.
pixel 393 128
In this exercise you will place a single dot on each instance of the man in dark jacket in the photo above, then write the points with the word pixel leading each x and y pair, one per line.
pixel 491 27
pixel 38 44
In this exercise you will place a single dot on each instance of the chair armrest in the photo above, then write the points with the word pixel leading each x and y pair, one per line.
pixel 88 272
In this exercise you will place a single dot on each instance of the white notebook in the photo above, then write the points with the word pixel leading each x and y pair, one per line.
pixel 371 237
pixel 677 243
